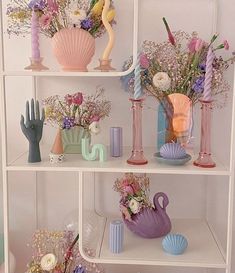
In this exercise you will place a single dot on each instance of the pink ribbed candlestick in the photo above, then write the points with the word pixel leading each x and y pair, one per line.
pixel 35 37
pixel 209 74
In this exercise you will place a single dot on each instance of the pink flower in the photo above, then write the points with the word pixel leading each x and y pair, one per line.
pixel 195 45
pixel 144 62
pixel 95 118
pixel 125 213
pixel 69 99
pixel 170 35
pixel 128 190
pixel 226 45
pixel 78 98
pixel 45 20
pixel 136 187
pixel 124 183
pixel 52 6
pixel 199 45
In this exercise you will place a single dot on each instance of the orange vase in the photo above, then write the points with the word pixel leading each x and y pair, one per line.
pixel 73 48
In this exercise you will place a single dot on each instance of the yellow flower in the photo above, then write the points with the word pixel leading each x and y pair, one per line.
pixel 48 111
pixel 98 8
pixel 19 15
pixel 111 14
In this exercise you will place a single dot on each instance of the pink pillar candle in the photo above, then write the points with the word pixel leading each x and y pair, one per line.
pixel 35 37
pixel 209 74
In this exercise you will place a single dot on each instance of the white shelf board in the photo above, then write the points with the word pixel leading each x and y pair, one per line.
pixel 77 163
pixel 202 250
pixel 50 73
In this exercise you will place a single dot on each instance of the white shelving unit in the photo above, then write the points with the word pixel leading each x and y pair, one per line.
pixel 205 250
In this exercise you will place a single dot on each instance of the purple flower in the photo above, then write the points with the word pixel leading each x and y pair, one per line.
pixel 37 4
pixel 198 86
pixel 68 123
pixel 86 23
pixel 79 269
pixel 202 67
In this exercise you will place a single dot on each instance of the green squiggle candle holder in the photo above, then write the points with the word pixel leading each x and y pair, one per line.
pixel 97 150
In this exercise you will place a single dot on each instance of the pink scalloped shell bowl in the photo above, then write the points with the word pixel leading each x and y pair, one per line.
pixel 73 48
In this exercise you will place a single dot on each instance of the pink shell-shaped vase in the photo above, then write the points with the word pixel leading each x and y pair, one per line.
pixel 73 48
pixel 151 222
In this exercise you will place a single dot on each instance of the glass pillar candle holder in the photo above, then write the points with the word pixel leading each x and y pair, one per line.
pixel 204 159
pixel 137 156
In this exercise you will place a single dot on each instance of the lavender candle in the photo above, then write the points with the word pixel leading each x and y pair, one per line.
pixel 209 74
pixel 116 149
pixel 116 236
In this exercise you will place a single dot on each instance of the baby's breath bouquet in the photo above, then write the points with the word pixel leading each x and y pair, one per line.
pixel 55 15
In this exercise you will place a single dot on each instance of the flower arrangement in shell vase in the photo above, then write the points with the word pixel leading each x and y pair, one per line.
pixel 73 26
pixel 77 116
pixel 141 216
pixel 173 72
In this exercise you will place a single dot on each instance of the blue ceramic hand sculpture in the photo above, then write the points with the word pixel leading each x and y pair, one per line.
pixel 32 129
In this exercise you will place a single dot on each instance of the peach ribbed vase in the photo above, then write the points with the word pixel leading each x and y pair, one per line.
pixel 73 48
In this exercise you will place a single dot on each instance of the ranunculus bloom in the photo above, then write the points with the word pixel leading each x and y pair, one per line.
pixel 94 127
pixel 69 99
pixel 134 206
pixel 199 45
pixel 136 187
pixel 128 190
pixel 48 262
pixel 144 62
pixel 95 118
pixel 45 21
pixel 78 98
pixel 162 81
pixel 226 45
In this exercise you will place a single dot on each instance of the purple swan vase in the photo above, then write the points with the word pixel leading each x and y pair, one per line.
pixel 151 222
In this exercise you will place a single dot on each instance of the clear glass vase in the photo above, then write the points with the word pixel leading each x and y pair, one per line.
pixel 137 156
pixel 204 159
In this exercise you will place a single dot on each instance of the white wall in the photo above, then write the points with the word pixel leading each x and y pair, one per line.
pixel 57 197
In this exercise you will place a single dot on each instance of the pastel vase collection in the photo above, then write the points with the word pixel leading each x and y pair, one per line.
pixel 73 48
pixel 151 222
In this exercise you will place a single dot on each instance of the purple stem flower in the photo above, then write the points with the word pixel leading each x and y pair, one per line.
pixel 198 86
pixel 86 24
pixel 37 4
pixel 68 123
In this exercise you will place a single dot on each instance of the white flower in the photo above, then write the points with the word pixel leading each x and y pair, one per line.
pixel 76 15
pixel 162 81
pixel 134 206
pixel 48 262
pixel 94 127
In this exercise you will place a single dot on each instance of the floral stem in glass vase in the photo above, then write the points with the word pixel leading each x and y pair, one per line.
pixel 204 160
pixel 137 156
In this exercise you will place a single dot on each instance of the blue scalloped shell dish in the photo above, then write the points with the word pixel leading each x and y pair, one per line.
pixel 174 244
pixel 172 151
pixel 174 162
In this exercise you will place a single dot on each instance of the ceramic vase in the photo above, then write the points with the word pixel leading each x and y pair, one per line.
pixel 151 222
pixel 72 139
pixel 73 48
pixel 174 119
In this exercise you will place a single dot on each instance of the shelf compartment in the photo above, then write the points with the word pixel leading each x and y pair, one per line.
pixel 203 251
pixel 116 165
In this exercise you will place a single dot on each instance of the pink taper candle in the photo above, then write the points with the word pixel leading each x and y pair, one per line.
pixel 209 74
pixel 35 37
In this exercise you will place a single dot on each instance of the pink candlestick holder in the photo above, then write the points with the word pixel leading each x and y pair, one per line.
pixel 36 65
pixel 204 159
pixel 105 66
pixel 137 156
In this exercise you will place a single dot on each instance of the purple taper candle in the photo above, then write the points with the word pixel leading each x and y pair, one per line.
pixel 35 37
pixel 116 141
pixel 209 74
